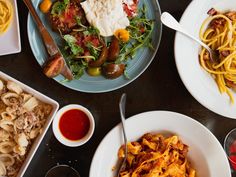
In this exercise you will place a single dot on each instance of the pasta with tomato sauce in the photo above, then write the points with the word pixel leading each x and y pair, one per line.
pixel 154 155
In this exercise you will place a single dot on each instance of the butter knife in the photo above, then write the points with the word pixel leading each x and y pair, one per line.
pixel 51 47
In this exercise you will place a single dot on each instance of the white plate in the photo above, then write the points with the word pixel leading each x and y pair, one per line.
pixel 10 40
pixel 205 152
pixel 198 82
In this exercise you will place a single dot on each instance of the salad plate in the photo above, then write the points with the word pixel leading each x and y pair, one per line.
pixel 206 154
pixel 135 66
pixel 200 83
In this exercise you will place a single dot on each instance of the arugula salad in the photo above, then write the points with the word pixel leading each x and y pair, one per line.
pixel 88 48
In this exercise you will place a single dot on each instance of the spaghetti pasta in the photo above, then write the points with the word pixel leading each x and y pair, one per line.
pixel 156 156
pixel 6 15
pixel 218 31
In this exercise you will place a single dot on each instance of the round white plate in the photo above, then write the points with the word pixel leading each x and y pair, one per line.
pixel 198 82
pixel 205 152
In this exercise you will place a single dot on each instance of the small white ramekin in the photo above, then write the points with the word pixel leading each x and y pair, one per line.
pixel 58 134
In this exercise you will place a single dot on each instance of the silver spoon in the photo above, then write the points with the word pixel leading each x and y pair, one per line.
pixel 168 20
pixel 122 115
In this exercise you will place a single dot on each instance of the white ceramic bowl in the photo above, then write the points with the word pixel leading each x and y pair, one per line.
pixel 198 82
pixel 205 152
pixel 58 134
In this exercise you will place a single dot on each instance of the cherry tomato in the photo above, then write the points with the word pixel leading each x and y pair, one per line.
pixel 94 71
pixel 45 6
pixel 54 66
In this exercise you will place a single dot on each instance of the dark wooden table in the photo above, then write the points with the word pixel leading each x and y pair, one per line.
pixel 158 88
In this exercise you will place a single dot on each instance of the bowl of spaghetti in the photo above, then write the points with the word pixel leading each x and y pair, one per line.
pixel 212 82
pixel 218 32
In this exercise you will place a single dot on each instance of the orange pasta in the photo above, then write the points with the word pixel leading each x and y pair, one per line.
pixel 156 156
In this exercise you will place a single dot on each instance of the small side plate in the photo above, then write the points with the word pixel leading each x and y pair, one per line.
pixel 10 40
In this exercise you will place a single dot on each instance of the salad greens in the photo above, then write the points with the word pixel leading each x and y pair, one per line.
pixel 140 31
pixel 71 42
pixel 59 7
pixel 94 51
pixel 74 53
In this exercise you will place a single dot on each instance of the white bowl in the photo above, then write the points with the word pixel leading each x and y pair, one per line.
pixel 58 134
pixel 199 83
pixel 206 154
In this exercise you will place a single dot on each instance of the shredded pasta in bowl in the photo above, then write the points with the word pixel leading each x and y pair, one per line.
pixel 154 155
pixel 6 15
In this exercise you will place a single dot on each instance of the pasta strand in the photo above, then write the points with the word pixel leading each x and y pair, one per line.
pixel 219 33
pixel 6 15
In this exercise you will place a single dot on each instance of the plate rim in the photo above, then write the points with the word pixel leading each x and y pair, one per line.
pixel 187 86
pixel 116 87
pixel 139 115
pixel 16 15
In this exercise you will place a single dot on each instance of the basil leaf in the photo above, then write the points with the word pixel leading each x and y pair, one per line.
pixel 92 50
pixel 86 33
pixel 76 50
pixel 71 41
pixel 69 38
pixel 77 69
pixel 59 7
pixel 93 30
pixel 66 2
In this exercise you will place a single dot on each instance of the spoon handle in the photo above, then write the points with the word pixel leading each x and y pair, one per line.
pixel 168 20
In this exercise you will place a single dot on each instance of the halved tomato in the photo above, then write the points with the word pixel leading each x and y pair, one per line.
pixel 130 7
pixel 54 66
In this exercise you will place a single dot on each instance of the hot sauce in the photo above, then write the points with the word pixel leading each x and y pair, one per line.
pixel 74 124
pixel 232 154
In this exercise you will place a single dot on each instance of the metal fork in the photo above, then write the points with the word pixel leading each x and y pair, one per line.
pixel 168 20
pixel 122 115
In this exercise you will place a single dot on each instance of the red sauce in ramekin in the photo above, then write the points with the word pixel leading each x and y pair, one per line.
pixel 74 124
